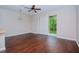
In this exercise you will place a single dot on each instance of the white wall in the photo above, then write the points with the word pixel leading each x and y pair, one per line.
pixel 2 42
pixel 66 22
pixel 35 23
pixel 77 27
pixel 9 20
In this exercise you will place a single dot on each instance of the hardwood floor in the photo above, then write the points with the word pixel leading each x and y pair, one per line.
pixel 37 43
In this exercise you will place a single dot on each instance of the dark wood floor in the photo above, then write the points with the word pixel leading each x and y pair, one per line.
pixel 37 43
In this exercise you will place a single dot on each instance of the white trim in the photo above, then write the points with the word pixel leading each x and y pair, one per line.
pixel 66 38
pixel 17 34
pixel 77 43
pixel 58 36
pixel 69 39
pixel 2 49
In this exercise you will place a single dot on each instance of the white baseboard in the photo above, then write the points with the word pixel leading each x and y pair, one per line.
pixel 66 38
pixel 2 49
pixel 58 36
pixel 69 39
pixel 16 34
pixel 77 43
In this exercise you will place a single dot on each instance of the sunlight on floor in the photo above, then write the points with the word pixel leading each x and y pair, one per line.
pixel 52 34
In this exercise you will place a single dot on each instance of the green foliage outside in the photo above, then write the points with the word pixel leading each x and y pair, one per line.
pixel 52 24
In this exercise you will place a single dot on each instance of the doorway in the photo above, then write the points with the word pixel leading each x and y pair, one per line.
pixel 52 25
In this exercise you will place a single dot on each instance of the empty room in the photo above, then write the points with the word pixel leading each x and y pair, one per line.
pixel 39 29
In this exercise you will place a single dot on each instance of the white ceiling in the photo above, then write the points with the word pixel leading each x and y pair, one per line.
pixel 44 8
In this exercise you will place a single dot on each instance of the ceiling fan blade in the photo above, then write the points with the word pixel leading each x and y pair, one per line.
pixel 29 10
pixel 37 8
pixel 33 8
pixel 35 11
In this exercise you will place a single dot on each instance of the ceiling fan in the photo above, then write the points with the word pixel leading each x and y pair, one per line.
pixel 33 8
